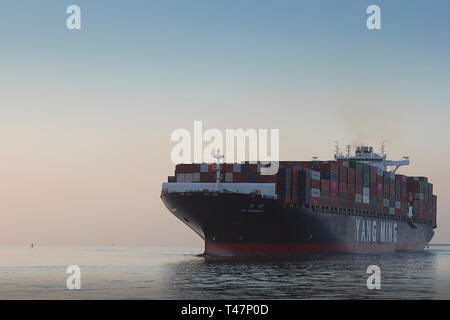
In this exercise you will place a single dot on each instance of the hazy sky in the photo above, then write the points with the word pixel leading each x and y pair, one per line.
pixel 86 115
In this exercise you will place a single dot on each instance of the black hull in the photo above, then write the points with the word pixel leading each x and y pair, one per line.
pixel 236 224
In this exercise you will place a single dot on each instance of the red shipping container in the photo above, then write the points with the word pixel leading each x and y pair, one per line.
pixel 392 186
pixel 351 200
pixel 373 189
pixel 185 168
pixel 398 190
pixel 379 205
pixel 351 182
pixel 334 189
pixel 253 168
pixel 324 200
pixel 434 205
pixel 414 185
pixel 243 177
pixel 358 177
pixel 342 188
pixel 334 202
pixel 325 166
pixel 343 175
pixel 421 211
pixel 207 177
pixel 334 167
pixel 373 174
pixel 228 167
pixel 295 186
pixel 305 164
pixel 266 178
pixel 379 190
pixel 386 181
pixel 325 187
pixel 343 203
pixel 404 189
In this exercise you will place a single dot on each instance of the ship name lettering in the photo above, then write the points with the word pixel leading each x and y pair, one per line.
pixel 366 231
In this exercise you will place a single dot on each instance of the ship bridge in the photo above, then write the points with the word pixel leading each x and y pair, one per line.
pixel 367 155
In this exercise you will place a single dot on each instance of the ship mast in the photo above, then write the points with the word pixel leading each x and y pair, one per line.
pixel 218 157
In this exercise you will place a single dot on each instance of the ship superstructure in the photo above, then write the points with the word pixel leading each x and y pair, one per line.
pixel 367 155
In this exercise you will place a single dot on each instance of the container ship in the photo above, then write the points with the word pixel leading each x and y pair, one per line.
pixel 352 204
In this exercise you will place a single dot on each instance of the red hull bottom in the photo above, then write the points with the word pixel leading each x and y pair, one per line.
pixel 249 249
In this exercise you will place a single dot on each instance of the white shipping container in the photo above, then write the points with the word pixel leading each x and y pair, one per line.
pixel 392 211
pixel 315 175
pixel 379 171
pixel 398 205
pixel 385 203
pixel 365 191
pixel 236 167
pixel 228 177
pixel 315 193
pixel 203 167
pixel 196 177
pixel 358 198
pixel 366 199
pixel 180 177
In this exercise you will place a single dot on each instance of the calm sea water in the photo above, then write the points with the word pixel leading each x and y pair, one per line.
pixel 156 272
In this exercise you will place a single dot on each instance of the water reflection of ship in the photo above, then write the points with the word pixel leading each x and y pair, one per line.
pixel 304 277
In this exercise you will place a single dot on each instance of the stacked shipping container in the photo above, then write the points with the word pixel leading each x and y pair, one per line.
pixel 349 185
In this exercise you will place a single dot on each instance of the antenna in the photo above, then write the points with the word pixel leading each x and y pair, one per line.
pixel 383 147
pixel 348 150
pixel 218 156
pixel 338 152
